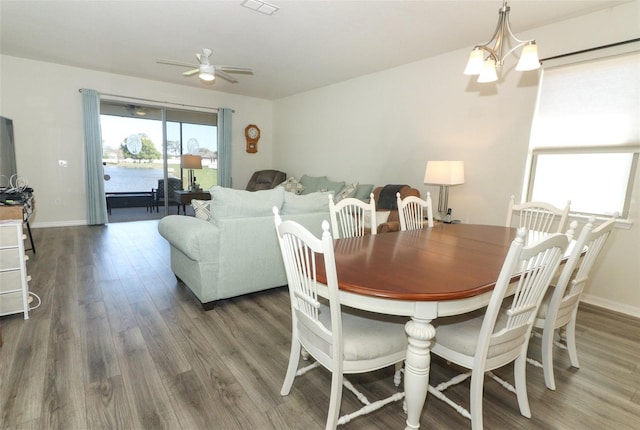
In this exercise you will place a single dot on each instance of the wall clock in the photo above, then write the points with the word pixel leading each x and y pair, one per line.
pixel 252 134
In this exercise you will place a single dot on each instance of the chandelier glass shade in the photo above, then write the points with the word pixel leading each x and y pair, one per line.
pixel 485 59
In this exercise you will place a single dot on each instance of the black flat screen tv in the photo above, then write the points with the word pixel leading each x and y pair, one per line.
pixel 8 165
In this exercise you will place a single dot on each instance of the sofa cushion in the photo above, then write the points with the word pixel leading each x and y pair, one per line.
pixel 316 202
pixel 363 191
pixel 292 185
pixel 231 203
pixel 312 184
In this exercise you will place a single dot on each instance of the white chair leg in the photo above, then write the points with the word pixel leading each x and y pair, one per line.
pixel 547 358
pixel 571 341
pixel 477 383
pixel 334 400
pixel 294 357
pixel 397 376
pixel 520 376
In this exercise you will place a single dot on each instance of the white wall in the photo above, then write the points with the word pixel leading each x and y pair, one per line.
pixel 46 108
pixel 382 128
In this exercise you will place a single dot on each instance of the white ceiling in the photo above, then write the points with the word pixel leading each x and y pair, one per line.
pixel 304 45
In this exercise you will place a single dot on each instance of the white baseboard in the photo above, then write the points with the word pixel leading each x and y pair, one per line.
pixel 632 311
pixel 72 223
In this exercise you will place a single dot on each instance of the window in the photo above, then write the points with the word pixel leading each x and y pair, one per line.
pixel 187 132
pixel 585 137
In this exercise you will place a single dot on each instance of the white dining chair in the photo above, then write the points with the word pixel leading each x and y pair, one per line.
pixel 538 217
pixel 412 211
pixel 560 304
pixel 498 335
pixel 343 340
pixel 352 217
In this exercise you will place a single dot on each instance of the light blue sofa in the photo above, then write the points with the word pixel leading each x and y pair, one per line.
pixel 236 252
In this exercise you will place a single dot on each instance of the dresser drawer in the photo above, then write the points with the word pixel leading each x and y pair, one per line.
pixel 11 303
pixel 10 259
pixel 8 236
pixel 11 280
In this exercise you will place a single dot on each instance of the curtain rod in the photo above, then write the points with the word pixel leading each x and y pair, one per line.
pixel 611 45
pixel 158 101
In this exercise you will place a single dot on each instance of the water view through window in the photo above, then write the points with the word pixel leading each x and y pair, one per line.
pixel 138 167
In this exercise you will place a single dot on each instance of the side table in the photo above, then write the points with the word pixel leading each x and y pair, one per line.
pixel 184 198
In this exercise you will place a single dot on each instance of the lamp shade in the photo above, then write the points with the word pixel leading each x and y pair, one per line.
pixel 444 173
pixel 188 161
pixel 529 58
pixel 475 63
pixel 488 73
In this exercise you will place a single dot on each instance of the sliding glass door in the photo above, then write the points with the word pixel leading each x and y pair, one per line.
pixel 142 149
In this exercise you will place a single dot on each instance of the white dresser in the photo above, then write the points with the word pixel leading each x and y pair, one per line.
pixel 14 287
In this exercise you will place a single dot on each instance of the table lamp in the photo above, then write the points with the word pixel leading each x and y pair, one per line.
pixel 445 174
pixel 189 161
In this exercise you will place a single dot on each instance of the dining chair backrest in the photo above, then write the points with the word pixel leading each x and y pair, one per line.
pixel 536 264
pixel 341 341
pixel 412 211
pixel 352 217
pixel 560 306
pixel 299 248
pixel 538 217
pixel 484 341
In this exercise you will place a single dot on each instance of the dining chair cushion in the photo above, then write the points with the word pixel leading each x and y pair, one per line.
pixel 460 333
pixel 546 301
pixel 365 337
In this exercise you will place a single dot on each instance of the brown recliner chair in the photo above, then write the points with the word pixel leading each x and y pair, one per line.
pixel 389 204
pixel 266 180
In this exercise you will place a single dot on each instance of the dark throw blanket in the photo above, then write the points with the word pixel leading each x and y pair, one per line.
pixel 387 199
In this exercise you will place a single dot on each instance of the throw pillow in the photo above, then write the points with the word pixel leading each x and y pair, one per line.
pixel 201 208
pixel 312 184
pixel 347 191
pixel 292 185
pixel 332 186
pixel 316 202
pixel 363 191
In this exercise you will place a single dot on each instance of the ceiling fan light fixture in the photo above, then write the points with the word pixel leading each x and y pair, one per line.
pixel 207 72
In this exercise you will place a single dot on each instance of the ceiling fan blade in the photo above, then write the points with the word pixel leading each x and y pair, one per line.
pixel 225 76
pixel 191 72
pixel 235 69
pixel 175 63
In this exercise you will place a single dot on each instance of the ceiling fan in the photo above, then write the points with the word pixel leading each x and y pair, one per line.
pixel 207 71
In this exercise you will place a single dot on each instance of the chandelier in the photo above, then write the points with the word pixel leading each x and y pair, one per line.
pixel 485 67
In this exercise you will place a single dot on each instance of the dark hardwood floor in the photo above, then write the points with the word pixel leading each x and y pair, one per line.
pixel 118 344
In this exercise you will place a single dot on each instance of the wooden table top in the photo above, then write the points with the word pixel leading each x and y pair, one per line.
pixel 445 262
